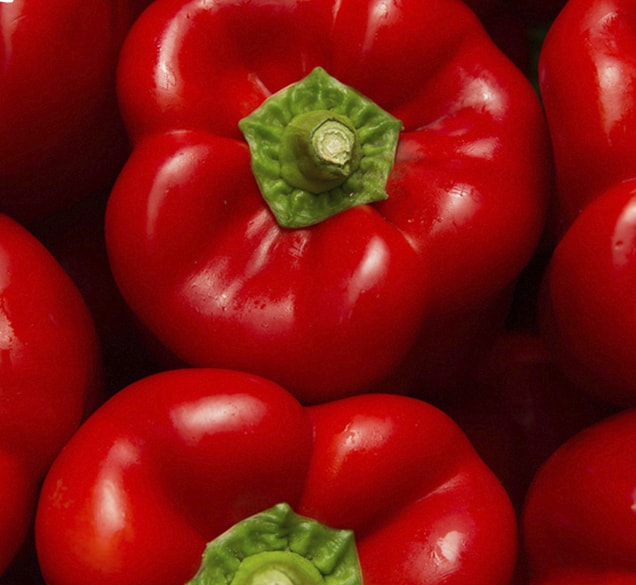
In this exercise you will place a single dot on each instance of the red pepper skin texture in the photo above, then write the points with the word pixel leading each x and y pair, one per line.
pixel 587 308
pixel 17 499
pixel 50 373
pixel 444 526
pixel 588 54
pixel 194 249
pixel 61 136
pixel 579 524
pixel 587 70
pixel 274 305
pixel 176 458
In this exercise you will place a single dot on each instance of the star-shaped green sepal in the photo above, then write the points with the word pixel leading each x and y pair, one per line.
pixel 319 147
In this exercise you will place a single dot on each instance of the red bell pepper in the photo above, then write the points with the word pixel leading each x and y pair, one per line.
pixel 588 68
pixel 177 458
pixel 586 65
pixel 50 374
pixel 61 137
pixel 579 523
pixel 588 310
pixel 331 308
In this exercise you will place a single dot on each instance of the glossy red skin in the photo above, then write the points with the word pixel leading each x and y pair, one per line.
pixel 50 372
pixel 586 67
pixel 579 523
pixel 588 309
pixel 61 136
pixel 588 54
pixel 298 306
pixel 176 458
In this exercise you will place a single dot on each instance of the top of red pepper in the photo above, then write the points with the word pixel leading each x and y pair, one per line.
pixel 319 147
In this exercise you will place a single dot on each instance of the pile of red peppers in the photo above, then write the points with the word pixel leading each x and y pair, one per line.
pixel 317 292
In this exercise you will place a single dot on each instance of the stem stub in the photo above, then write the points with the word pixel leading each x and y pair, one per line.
pixel 318 147
pixel 280 547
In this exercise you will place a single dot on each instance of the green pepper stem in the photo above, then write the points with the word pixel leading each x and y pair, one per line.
pixel 277 568
pixel 279 547
pixel 318 147
pixel 319 151
pixel 334 143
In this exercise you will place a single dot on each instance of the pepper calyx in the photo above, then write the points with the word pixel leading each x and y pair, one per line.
pixel 279 547
pixel 319 147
